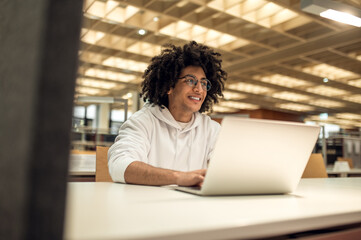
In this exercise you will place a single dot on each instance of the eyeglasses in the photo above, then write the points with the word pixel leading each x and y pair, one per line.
pixel 192 81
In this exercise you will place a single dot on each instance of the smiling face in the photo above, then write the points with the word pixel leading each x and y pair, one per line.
pixel 184 100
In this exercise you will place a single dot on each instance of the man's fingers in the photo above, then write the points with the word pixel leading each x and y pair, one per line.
pixel 198 179
pixel 201 171
pixel 191 178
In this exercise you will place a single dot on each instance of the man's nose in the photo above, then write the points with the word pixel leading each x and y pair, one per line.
pixel 198 86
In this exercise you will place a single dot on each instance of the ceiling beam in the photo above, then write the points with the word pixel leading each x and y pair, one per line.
pixel 319 44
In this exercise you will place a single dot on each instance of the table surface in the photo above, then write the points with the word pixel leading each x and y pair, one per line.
pixel 351 171
pixel 120 211
pixel 82 164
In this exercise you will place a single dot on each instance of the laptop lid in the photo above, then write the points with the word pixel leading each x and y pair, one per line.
pixel 255 156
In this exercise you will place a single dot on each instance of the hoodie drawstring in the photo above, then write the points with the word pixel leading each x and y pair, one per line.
pixel 190 149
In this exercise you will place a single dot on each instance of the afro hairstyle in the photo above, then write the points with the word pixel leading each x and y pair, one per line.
pixel 164 71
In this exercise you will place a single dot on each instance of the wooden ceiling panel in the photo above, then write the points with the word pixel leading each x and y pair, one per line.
pixel 310 30
pixel 289 54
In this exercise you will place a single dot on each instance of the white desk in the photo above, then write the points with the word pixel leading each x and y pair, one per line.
pixel 82 167
pixel 82 163
pixel 352 172
pixel 119 211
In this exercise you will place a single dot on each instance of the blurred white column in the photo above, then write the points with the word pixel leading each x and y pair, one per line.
pixel 102 116
pixel 136 102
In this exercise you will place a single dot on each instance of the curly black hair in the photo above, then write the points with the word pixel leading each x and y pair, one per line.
pixel 164 70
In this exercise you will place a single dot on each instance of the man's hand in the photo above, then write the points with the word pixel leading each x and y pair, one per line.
pixel 191 178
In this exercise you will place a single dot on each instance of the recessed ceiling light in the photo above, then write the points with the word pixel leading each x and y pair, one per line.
pixel 142 32
pixel 342 17
pixel 333 10
pixel 156 19
pixel 325 80
pixel 323 116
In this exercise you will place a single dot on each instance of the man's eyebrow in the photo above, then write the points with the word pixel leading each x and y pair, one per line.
pixel 191 75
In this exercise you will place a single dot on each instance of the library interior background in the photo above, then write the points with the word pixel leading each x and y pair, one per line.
pixel 283 63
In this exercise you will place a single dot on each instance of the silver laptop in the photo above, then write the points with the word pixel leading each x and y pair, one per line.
pixel 257 157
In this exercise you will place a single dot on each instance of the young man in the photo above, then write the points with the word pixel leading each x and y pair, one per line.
pixel 169 141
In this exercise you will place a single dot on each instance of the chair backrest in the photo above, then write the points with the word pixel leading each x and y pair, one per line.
pixel 101 170
pixel 349 160
pixel 76 151
pixel 315 167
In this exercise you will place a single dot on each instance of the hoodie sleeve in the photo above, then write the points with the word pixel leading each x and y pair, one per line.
pixel 131 144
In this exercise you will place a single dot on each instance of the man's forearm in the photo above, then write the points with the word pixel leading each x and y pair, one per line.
pixel 142 173
pixel 145 174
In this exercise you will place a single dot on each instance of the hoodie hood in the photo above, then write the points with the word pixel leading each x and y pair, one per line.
pixel 164 115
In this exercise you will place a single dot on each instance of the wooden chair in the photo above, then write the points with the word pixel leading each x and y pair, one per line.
pixel 76 151
pixel 349 160
pixel 101 169
pixel 315 167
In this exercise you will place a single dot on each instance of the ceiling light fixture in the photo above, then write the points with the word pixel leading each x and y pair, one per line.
pixel 342 17
pixel 142 32
pixel 333 10
pixel 323 116
pixel 95 99
pixel 325 80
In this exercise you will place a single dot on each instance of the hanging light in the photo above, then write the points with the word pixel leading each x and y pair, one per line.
pixel 333 10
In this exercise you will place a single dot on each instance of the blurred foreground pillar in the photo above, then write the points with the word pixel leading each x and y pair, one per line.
pixel 39 43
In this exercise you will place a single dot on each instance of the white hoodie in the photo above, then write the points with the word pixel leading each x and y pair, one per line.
pixel 153 136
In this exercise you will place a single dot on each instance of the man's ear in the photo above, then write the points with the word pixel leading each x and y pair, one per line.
pixel 170 91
